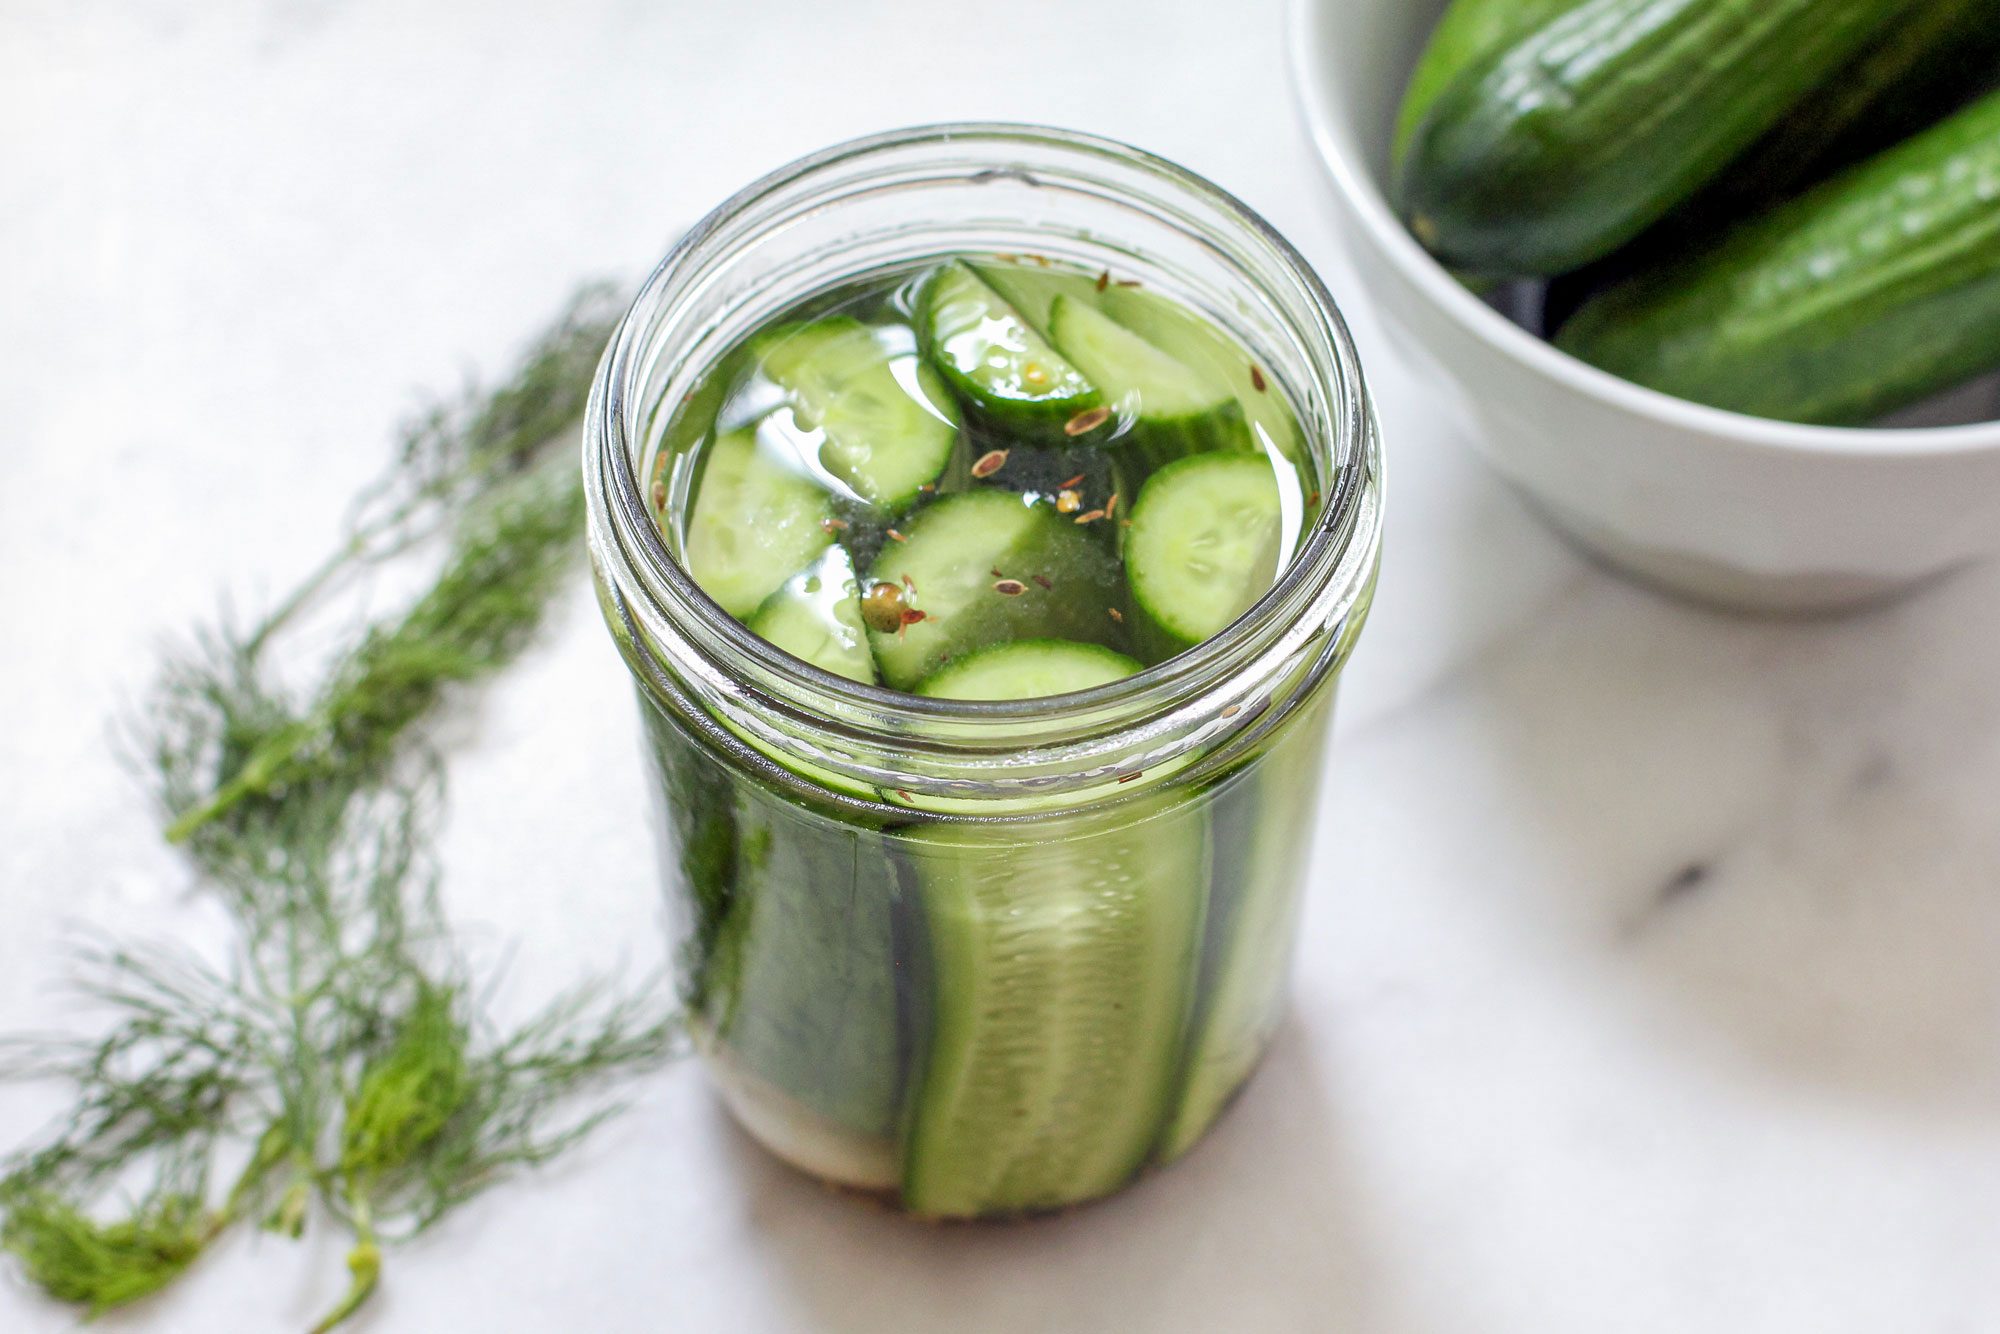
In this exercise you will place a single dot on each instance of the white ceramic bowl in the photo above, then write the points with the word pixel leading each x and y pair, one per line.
pixel 1716 505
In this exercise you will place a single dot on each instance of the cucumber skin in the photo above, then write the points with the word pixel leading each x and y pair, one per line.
pixel 1471 32
pixel 1871 292
pixel 1635 104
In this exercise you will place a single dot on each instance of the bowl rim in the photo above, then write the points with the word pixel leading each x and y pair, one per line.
pixel 1313 89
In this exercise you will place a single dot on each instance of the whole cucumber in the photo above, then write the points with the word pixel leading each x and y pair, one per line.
pixel 1560 148
pixel 1871 292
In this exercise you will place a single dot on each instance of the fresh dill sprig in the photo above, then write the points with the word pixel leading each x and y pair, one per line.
pixel 340 1063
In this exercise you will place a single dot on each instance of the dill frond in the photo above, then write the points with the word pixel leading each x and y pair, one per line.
pixel 340 1057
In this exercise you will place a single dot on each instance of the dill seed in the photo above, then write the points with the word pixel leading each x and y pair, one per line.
pixel 660 496
pixel 1116 615
pixel 895 536
pixel 1256 378
pixel 1128 282
pixel 832 525
pixel 1074 481
pixel 1104 280
pixel 1111 505
pixel 1042 579
pixel 1126 778
pixel 882 608
pixel 1092 517
pixel 1009 588
pixel 1086 421
pixel 992 461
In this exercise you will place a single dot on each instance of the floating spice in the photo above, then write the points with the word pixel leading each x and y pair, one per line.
pixel 882 608
pixel 1111 505
pixel 1009 588
pixel 1074 481
pixel 895 536
pixel 1086 421
pixel 832 525
pixel 1068 501
pixel 1256 378
pixel 992 461
pixel 1042 579
pixel 1104 280
pixel 1116 615
pixel 1092 517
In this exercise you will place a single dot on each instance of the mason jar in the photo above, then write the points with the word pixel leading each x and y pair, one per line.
pixel 982 958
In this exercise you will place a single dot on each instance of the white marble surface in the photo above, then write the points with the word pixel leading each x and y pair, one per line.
pixel 1649 981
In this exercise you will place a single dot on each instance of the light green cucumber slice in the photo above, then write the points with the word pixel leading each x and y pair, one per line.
pixel 887 425
pixel 1004 372
pixel 1166 409
pixel 1194 342
pixel 1204 543
pixel 1261 821
pixel 1029 669
pixel 1063 961
pixel 985 567
pixel 816 615
pixel 756 521
pixel 1032 289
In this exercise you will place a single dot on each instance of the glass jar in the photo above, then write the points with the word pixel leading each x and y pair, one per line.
pixel 982 958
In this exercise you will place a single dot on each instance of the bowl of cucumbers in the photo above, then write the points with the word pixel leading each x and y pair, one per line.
pixel 1715 283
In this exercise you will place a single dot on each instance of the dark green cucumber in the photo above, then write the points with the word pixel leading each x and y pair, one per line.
pixel 816 615
pixel 1204 545
pixel 984 567
pixel 1573 140
pixel 1028 669
pixel 1261 817
pixel 1004 372
pixel 757 520
pixel 1064 957
pixel 812 1009
pixel 1929 64
pixel 1470 33
pixel 1877 289
pixel 887 427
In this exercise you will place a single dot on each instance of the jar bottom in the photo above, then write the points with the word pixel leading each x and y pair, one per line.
pixel 869 1166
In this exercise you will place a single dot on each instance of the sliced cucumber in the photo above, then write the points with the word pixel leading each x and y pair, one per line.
pixel 1166 408
pixel 1004 372
pixel 816 615
pixel 1063 960
pixel 1029 669
pixel 1032 289
pixel 1260 819
pixel 756 521
pixel 887 426
pixel 813 1007
pixel 984 567
pixel 1204 544
pixel 1193 341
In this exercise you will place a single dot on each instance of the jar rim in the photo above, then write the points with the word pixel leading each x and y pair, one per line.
pixel 1346 515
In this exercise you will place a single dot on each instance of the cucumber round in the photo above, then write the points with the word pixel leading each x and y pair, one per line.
pixel 985 567
pixel 887 426
pixel 1193 341
pixel 1167 408
pixel 1029 669
pixel 816 615
pixel 1204 545
pixel 756 521
pixel 1003 371
pixel 1064 964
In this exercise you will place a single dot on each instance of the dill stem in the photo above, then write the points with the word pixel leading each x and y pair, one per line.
pixel 314 584
pixel 364 1262
pixel 252 780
